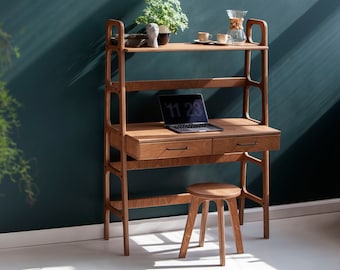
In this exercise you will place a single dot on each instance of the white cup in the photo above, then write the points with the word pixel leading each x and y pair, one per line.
pixel 204 36
pixel 223 38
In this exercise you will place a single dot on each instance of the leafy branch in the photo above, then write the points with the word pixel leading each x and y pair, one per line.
pixel 13 165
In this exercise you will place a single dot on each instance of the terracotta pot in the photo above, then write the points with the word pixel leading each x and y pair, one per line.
pixel 164 35
pixel 163 38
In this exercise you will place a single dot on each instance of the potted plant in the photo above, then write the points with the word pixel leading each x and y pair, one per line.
pixel 167 14
pixel 13 166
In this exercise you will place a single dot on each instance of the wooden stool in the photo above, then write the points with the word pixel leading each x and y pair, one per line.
pixel 217 192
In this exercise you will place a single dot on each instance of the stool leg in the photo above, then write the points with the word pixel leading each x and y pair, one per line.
pixel 243 185
pixel 241 205
pixel 205 210
pixel 220 214
pixel 235 223
pixel 195 202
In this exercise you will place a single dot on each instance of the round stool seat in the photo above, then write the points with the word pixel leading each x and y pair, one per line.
pixel 214 190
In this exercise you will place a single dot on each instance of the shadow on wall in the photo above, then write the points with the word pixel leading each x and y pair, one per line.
pixel 308 169
pixel 296 97
pixel 62 112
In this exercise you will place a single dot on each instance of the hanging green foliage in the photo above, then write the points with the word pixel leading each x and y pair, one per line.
pixel 13 166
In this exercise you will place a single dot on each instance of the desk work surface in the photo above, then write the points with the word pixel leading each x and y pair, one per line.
pixel 152 141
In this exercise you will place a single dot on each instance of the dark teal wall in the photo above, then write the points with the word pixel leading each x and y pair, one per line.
pixel 59 80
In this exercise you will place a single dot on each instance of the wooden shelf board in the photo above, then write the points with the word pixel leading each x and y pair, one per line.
pixel 181 198
pixel 183 47
pixel 178 162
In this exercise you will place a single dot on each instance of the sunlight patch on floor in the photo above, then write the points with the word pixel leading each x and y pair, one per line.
pixel 235 261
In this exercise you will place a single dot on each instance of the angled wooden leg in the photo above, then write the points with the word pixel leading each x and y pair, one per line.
pixel 107 198
pixel 235 224
pixel 243 185
pixel 106 202
pixel 125 212
pixel 220 214
pixel 265 195
pixel 205 210
pixel 195 202
pixel 126 231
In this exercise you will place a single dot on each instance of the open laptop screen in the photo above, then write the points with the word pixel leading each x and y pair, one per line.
pixel 179 109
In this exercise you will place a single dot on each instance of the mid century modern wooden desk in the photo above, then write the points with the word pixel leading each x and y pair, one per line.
pixel 149 145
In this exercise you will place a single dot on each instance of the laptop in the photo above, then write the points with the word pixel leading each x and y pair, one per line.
pixel 185 113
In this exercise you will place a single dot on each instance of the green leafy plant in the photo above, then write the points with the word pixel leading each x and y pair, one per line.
pixel 13 166
pixel 164 12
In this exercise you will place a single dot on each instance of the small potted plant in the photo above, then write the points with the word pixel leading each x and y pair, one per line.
pixel 167 14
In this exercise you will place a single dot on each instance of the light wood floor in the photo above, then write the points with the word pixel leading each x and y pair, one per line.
pixel 307 242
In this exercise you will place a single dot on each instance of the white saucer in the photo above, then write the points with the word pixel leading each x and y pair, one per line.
pixel 203 42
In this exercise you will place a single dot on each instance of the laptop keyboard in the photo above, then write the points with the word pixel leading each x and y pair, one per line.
pixel 190 126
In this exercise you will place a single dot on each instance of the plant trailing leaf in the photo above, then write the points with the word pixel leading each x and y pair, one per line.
pixel 13 165
pixel 167 12
pixel 7 51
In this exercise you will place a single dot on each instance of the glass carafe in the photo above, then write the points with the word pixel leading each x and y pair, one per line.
pixel 236 18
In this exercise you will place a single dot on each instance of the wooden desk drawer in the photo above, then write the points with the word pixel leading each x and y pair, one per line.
pixel 158 150
pixel 246 144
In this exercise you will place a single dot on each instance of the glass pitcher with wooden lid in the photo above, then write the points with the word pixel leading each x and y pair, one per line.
pixel 236 18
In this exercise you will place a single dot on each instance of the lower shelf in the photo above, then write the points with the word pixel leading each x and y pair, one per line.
pixel 181 198
pixel 176 162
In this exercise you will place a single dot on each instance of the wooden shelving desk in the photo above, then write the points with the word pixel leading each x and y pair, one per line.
pixel 149 145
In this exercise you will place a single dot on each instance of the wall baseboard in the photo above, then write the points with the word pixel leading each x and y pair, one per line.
pixel 154 225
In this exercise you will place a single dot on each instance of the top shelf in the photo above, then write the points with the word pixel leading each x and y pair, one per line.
pixel 177 47
pixel 189 46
